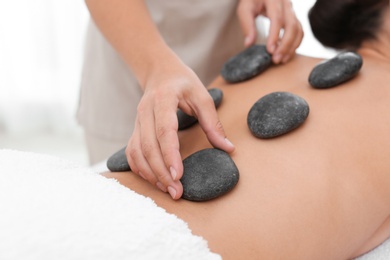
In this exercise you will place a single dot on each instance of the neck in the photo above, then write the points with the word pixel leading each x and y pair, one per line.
pixel 379 48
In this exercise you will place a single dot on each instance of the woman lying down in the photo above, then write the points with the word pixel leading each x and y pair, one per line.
pixel 317 192
pixel 322 190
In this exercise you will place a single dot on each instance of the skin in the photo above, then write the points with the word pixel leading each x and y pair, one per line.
pixel 318 192
pixel 153 149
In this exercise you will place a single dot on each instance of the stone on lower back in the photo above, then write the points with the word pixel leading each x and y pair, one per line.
pixel 208 174
pixel 118 161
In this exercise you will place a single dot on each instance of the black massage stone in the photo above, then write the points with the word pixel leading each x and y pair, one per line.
pixel 335 71
pixel 185 121
pixel 247 64
pixel 208 174
pixel 276 114
pixel 118 161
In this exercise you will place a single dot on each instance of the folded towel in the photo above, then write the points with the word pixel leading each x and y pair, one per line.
pixel 54 209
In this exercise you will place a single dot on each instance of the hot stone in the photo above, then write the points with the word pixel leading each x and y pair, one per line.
pixel 276 114
pixel 118 161
pixel 335 71
pixel 247 64
pixel 208 174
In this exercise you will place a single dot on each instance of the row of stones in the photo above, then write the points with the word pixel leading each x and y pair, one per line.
pixel 256 59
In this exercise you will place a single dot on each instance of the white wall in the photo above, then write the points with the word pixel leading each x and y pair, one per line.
pixel 41 45
pixel 310 46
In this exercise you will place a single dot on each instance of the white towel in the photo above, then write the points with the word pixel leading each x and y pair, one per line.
pixel 382 252
pixel 53 209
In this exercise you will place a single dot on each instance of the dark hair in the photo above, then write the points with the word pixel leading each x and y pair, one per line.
pixel 346 24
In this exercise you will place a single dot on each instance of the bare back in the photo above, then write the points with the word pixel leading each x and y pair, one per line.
pixel 319 192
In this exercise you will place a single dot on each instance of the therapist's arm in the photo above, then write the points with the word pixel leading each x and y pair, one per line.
pixel 153 149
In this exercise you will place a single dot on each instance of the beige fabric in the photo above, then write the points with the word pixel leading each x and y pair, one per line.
pixel 203 33
pixel 100 148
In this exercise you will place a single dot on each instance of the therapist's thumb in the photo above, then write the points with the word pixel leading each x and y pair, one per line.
pixel 212 127
pixel 218 138
pixel 246 15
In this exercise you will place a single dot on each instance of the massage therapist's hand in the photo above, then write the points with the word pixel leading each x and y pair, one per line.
pixel 153 149
pixel 282 16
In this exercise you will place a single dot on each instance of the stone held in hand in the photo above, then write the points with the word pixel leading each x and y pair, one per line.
pixel 208 174
pixel 185 121
pixel 335 71
pixel 276 114
pixel 118 161
pixel 247 64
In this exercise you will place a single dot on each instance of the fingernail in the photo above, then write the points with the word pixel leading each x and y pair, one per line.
pixel 173 173
pixel 172 192
pixel 161 187
pixel 229 143
pixel 277 58
pixel 140 174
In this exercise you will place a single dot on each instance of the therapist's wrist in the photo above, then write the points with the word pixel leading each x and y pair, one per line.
pixel 164 67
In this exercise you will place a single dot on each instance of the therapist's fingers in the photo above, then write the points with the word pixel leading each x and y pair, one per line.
pixel 153 154
pixel 295 44
pixel 246 15
pixel 146 154
pixel 166 132
pixel 169 144
pixel 292 35
pixel 204 109
pixel 282 16
pixel 283 21
pixel 274 11
pixel 136 159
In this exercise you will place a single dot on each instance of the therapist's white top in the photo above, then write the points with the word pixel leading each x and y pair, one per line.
pixel 203 33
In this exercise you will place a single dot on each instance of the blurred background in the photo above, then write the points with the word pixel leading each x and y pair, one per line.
pixel 41 53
